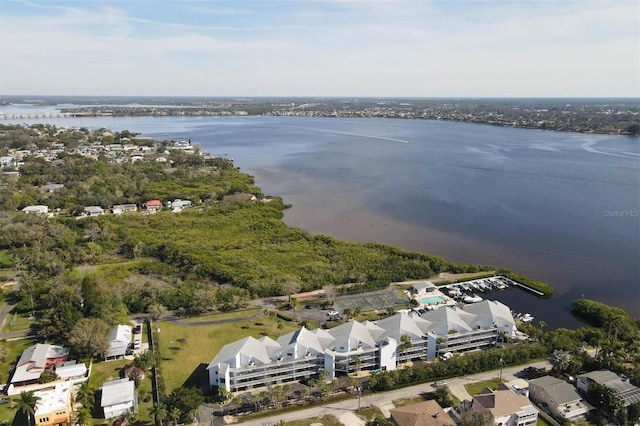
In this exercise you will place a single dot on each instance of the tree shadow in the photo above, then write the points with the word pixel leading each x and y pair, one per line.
pixel 198 378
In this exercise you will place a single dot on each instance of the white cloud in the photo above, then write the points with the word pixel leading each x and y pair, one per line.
pixel 380 48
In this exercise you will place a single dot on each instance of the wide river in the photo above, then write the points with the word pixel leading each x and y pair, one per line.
pixel 559 207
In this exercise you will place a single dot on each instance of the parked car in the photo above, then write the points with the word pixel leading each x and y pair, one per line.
pixel 137 329
pixel 136 344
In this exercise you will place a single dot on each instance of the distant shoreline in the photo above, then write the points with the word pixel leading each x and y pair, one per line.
pixel 606 116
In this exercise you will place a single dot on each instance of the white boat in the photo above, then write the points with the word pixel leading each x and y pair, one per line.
pixel 454 292
pixel 472 299
pixel 526 318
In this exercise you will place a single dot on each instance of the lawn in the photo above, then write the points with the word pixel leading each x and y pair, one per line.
pixel 112 272
pixel 475 388
pixel 224 316
pixel 186 350
pixel 324 420
pixel 369 413
pixel 5 259
pixel 18 322
pixel 541 422
pixel 7 413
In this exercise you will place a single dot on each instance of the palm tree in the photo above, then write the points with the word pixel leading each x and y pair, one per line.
pixel 174 414
pixel 27 404
pixel 159 411
pixel 357 363
pixel 405 344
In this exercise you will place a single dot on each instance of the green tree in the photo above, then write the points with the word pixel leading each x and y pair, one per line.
pixel 379 420
pixel 185 400
pixel 405 344
pixel 26 403
pixel 88 338
pixel 156 310
pixel 158 412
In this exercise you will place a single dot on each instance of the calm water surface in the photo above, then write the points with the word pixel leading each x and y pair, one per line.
pixel 562 208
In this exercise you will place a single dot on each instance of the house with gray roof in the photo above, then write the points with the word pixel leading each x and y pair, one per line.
pixel 93 211
pixel 561 397
pixel 628 393
pixel 423 287
pixel 118 398
pixel 37 209
pixel 119 338
pixel 52 187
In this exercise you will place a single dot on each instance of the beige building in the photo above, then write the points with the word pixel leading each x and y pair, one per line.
pixel 54 405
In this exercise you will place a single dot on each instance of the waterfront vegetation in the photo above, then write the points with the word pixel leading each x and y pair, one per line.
pixel 544 288
pixel 81 275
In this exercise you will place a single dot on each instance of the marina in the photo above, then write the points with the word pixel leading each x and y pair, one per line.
pixel 432 297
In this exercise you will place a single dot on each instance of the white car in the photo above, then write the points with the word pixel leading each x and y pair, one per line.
pixel 332 313
pixel 136 344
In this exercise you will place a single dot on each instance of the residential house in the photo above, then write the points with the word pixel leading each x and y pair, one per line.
pixel 239 196
pixel 152 206
pixel 177 205
pixel 117 398
pixel 119 338
pixel 423 287
pixel 52 187
pixel 37 209
pixel 118 209
pixel 33 362
pixel 561 397
pixel 427 413
pixel 355 346
pixel 54 405
pixel 93 211
pixel 73 371
pixel 507 407
pixel 133 373
pixel 628 393
pixel 8 160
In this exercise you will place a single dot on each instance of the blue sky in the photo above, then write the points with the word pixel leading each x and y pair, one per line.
pixel 320 48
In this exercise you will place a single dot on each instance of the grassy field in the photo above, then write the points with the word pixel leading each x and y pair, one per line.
pixel 446 277
pixel 20 323
pixel 224 316
pixel 324 420
pixel 5 259
pixel 541 422
pixel 112 272
pixel 369 413
pixel 475 388
pixel 186 350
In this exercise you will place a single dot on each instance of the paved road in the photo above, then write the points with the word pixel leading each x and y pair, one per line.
pixel 4 314
pixel 345 410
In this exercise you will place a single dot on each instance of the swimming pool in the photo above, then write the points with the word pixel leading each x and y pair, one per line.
pixel 432 300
